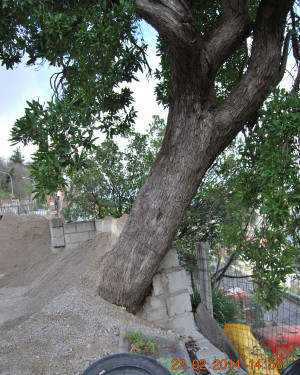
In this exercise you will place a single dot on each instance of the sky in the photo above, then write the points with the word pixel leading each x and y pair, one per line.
pixel 28 83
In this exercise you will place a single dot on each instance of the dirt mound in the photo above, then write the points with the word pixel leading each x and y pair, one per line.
pixel 24 240
pixel 52 319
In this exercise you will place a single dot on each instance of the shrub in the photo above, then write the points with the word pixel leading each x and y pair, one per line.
pixel 226 310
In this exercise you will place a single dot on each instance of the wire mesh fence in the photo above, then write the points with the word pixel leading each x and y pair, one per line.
pixel 267 341
pixel 23 207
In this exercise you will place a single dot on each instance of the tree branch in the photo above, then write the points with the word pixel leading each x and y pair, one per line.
pixel 233 28
pixel 237 277
pixel 285 54
pixel 295 88
pixel 172 19
pixel 263 72
pixel 295 42
pixel 225 268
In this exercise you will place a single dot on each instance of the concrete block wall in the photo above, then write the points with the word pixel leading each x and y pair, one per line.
pixel 70 235
pixel 169 305
pixel 78 232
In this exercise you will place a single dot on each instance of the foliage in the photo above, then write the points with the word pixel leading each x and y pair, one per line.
pixel 195 298
pixel 95 48
pixel 287 356
pixel 225 309
pixel 138 344
pixel 168 363
pixel 112 179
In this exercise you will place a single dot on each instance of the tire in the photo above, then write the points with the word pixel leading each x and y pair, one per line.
pixel 293 368
pixel 126 364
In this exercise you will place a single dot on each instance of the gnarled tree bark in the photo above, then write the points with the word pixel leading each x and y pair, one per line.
pixel 197 130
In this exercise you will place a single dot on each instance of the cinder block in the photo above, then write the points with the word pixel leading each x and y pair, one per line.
pixel 57 232
pixel 188 278
pixel 157 314
pixel 158 287
pixel 58 241
pixel 79 237
pixel 179 304
pixel 69 227
pixel 184 323
pixel 104 225
pixel 56 222
pixel 170 260
pixel 68 238
pixel 85 226
pixel 157 302
pixel 175 281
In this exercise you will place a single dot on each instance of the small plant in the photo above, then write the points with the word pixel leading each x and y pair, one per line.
pixel 139 346
pixel 195 298
pixel 287 356
pixel 226 309
pixel 168 364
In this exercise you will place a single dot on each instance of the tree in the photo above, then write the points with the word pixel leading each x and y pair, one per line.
pixel 95 45
pixel 17 157
pixel 110 183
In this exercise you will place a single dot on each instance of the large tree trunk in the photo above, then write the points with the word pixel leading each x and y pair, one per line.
pixel 197 131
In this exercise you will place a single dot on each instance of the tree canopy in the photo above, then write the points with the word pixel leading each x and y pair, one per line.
pixel 97 46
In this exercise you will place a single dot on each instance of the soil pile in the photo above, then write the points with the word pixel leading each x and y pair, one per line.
pixel 52 320
pixel 24 240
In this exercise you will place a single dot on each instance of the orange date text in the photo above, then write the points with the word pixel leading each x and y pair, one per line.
pixel 179 364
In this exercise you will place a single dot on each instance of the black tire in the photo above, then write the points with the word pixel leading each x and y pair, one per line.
pixel 126 364
pixel 293 368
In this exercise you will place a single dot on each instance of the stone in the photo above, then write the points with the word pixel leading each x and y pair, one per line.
pixel 210 329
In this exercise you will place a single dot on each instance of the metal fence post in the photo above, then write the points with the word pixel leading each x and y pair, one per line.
pixel 202 253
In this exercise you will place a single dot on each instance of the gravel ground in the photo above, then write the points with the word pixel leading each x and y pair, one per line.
pixel 52 320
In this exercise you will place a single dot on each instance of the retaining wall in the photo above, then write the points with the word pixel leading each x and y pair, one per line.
pixel 70 235
pixel 169 305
